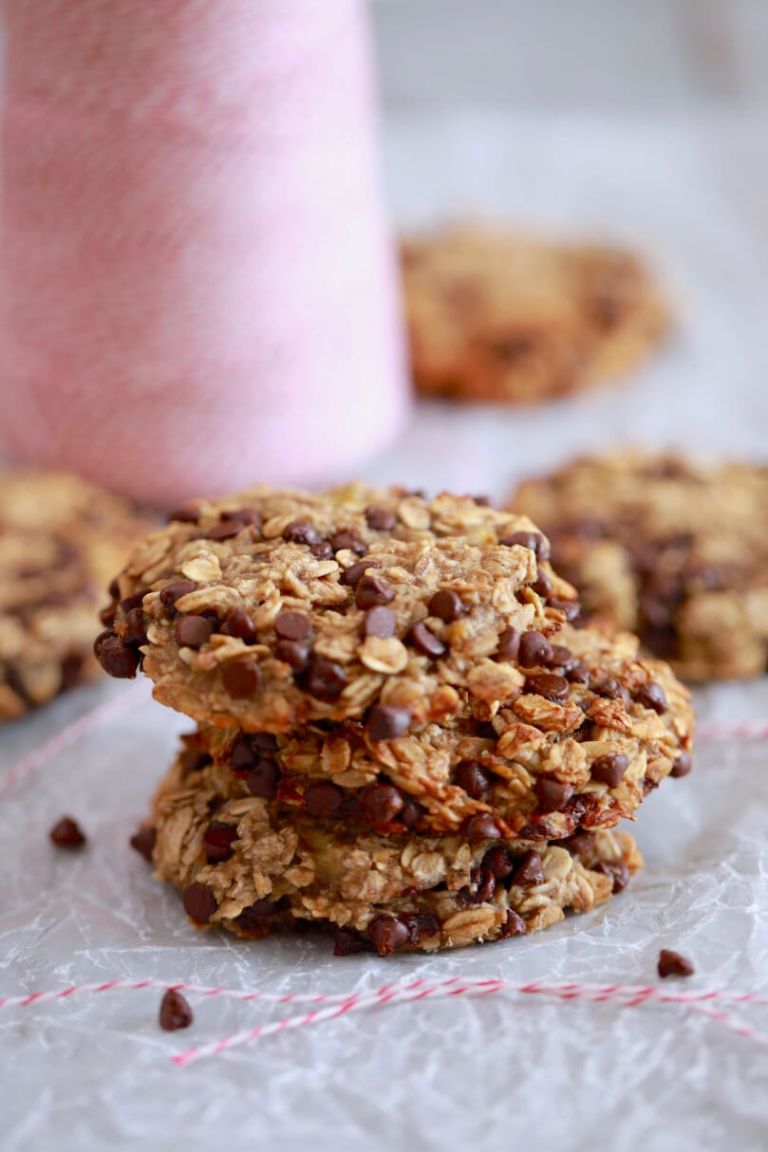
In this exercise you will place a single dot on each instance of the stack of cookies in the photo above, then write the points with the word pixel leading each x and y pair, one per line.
pixel 401 733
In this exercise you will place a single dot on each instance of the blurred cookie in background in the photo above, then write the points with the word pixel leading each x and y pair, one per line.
pixel 493 315
pixel 61 539
pixel 671 549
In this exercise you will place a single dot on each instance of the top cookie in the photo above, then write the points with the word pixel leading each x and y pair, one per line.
pixel 673 550
pixel 60 541
pixel 497 316
pixel 272 609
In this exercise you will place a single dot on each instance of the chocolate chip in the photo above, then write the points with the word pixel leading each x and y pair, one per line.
pixel 581 843
pixel 651 695
pixel 351 576
pixel 410 813
pixel 386 722
pixel 143 841
pixel 199 903
pixel 67 833
pixel 114 588
pixel 262 780
pixel 498 861
pixel 380 804
pixel 514 925
pixel 321 550
pixel 380 519
pixel 420 925
pixel 71 672
pixel 301 531
pixel 548 685
pixel 561 657
pixel 674 964
pixel 175 1012
pixel 264 741
pixel 472 777
pixel 447 605
pixel 610 688
pixel 323 798
pixel 187 514
pixel 529 869
pixel 217 841
pixel 387 934
pixel 173 592
pixel 131 602
pixel 534 649
pixel 347 942
pixel 348 540
pixel 484 883
pixel 533 540
pixel 225 530
pixel 481 826
pixel 293 653
pixel 380 622
pixel 243 755
pixel 618 872
pixel 253 918
pixel 578 673
pixel 542 585
pixel 194 760
pixel 132 628
pixel 107 616
pixel 551 795
pixel 193 631
pixel 239 624
pixel 373 591
pixel 509 645
pixel 425 641
pixel 292 625
pixel 325 680
pixel 610 769
pixel 116 658
pixel 682 766
pixel 571 609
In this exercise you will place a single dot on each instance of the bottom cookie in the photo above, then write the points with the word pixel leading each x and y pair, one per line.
pixel 242 865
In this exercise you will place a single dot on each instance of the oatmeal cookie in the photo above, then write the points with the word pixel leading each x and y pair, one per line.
pixel 243 866
pixel 276 609
pixel 61 539
pixel 496 316
pixel 674 550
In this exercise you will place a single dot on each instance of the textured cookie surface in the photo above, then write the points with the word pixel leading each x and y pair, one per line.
pixel 242 865
pixel 501 317
pixel 61 540
pixel 676 551
pixel 274 609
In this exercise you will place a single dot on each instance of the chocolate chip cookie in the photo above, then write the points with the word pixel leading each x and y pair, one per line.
pixel 243 866
pixel 61 539
pixel 495 316
pixel 672 549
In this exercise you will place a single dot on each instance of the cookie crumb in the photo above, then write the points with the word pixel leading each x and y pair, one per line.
pixel 175 1012
pixel 674 964
pixel 67 833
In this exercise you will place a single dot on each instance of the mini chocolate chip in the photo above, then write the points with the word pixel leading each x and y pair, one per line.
pixel 262 780
pixel 385 722
pixel 348 540
pixel 380 519
pixel 484 883
pixel 194 760
pixel 534 649
pixel 498 861
pixel 578 673
pixel 321 550
pixel 293 653
pixel 447 605
pixel 247 516
pixel 373 591
pixel 239 624
pixel 380 622
pixel 674 964
pixel 225 530
pixel 481 826
pixel 193 631
pixel 115 657
pixel 571 609
pixel 561 657
pixel 542 585
pixel 425 641
pixel 114 588
pixel 509 645
pixel 533 540
pixel 243 755
pixel 187 514
pixel 301 531
pixel 292 625
pixel 472 777
pixel 682 766
pixel 351 576
pixel 548 685
pixel 71 671
pixel 325 680
pixel 410 813
pixel 323 798
pixel 199 903
pixel 143 841
pixel 175 1012
pixel 529 869
pixel 387 934
pixel 419 925
pixel 132 628
pixel 551 795
pixel 581 843
pixel 173 592
pixel 618 872
pixel 610 688
pixel 514 925
pixel 218 839
pixel 107 616
pixel 67 833
pixel 131 602
pixel 347 942
pixel 652 695
pixel 380 804
pixel 610 769
pixel 252 919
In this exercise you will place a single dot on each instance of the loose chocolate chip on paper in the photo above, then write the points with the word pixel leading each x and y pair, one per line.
pixel 67 833
pixel 143 841
pixel 193 631
pixel 175 1012
pixel 674 964
pixel 387 934
pixel 199 903
pixel 385 722
pixel 425 641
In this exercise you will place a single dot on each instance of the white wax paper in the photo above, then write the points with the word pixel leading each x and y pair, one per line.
pixel 95 1072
